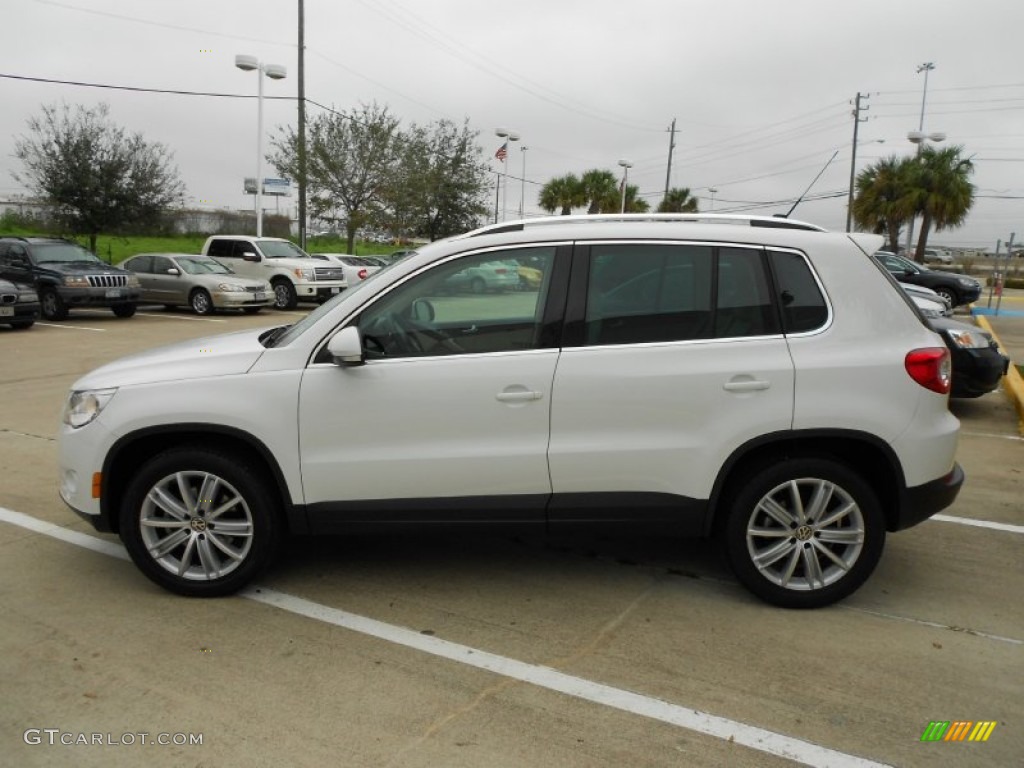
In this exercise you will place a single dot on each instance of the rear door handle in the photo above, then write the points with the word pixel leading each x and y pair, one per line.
pixel 518 396
pixel 746 385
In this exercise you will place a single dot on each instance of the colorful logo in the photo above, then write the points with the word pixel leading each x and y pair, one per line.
pixel 958 730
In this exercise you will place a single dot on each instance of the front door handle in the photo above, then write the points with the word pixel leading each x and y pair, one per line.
pixel 746 385
pixel 518 396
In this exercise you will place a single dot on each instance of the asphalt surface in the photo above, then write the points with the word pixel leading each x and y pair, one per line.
pixel 491 651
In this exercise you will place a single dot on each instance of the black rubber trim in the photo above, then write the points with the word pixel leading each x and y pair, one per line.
pixel 923 501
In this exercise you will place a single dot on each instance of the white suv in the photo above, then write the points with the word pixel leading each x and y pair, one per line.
pixel 292 273
pixel 761 381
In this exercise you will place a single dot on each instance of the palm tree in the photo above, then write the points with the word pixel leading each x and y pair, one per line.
pixel 600 188
pixel 563 192
pixel 884 202
pixel 678 200
pixel 942 191
pixel 634 203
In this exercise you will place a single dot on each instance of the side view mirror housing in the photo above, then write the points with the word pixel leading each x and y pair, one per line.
pixel 346 347
pixel 250 256
pixel 173 271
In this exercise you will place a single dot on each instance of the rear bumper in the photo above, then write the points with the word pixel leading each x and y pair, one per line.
pixel 923 501
pixel 977 371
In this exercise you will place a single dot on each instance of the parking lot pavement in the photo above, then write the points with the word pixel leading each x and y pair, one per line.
pixel 1006 320
pixel 469 651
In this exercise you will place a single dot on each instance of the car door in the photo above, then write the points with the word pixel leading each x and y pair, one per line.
pixel 673 357
pixel 449 414
pixel 142 267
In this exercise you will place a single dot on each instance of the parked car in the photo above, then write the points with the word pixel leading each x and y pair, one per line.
pixel 355 268
pixel 759 382
pixel 289 269
pixel 978 364
pixel 19 305
pixel 66 276
pixel 485 276
pixel 957 289
pixel 933 304
pixel 206 285
pixel 937 256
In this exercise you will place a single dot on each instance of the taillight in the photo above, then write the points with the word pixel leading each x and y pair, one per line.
pixel 362 274
pixel 930 367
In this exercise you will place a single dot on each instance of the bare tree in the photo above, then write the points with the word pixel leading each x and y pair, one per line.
pixel 96 175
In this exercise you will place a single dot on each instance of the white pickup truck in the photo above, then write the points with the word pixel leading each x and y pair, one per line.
pixel 294 275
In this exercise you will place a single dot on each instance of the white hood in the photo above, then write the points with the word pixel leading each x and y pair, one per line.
pixel 226 355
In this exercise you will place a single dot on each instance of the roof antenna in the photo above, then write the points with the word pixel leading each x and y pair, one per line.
pixel 800 199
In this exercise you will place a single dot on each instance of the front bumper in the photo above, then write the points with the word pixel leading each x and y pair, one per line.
pixel 238 299
pixel 977 371
pixel 99 297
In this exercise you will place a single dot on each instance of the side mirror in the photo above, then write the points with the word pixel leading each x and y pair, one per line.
pixel 423 311
pixel 346 347
pixel 250 256
pixel 173 271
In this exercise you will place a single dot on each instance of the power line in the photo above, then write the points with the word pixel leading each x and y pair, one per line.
pixel 139 89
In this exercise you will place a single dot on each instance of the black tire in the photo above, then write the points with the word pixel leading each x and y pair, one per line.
pixel 949 295
pixel 284 294
pixel 800 570
pixel 201 302
pixel 187 529
pixel 123 310
pixel 251 310
pixel 51 305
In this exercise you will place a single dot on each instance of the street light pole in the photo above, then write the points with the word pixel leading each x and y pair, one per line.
pixel 509 136
pixel 522 183
pixel 274 72
pixel 626 165
pixel 712 190
pixel 918 138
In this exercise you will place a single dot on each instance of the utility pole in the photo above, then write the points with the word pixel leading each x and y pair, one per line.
pixel 671 146
pixel 857 120
pixel 302 124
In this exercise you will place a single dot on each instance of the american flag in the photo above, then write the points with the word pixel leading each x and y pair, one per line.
pixel 502 152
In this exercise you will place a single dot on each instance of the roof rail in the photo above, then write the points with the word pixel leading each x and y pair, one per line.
pixel 715 218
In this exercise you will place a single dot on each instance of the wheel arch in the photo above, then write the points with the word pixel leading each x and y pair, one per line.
pixel 130 452
pixel 866 454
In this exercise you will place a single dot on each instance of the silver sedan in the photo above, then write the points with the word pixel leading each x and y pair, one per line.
pixel 201 282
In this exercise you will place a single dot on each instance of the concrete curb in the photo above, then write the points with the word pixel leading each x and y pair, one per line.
pixel 1013 384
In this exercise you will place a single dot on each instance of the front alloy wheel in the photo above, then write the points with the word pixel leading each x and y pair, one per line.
pixel 805 533
pixel 199 523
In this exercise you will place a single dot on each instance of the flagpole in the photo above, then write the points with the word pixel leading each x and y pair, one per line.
pixel 502 155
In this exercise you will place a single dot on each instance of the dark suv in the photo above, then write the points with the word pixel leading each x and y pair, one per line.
pixel 19 307
pixel 66 275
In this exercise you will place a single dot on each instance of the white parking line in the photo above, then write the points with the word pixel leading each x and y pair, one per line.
pixel 163 316
pixel 1005 527
pixel 71 327
pixel 749 736
pixel 990 434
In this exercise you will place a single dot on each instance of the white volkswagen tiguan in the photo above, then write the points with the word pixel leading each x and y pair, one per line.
pixel 759 381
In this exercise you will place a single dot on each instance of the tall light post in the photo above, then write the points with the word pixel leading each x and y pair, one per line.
pixel 713 191
pixel 509 136
pixel 626 165
pixel 918 137
pixel 522 183
pixel 274 72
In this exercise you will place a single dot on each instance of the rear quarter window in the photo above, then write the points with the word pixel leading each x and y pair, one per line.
pixel 803 306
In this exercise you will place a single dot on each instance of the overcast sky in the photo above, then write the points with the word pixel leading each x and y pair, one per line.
pixel 761 91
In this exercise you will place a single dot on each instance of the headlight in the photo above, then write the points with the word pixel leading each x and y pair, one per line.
pixel 930 311
pixel 78 281
pixel 303 274
pixel 967 282
pixel 82 407
pixel 268 287
pixel 27 296
pixel 968 339
pixel 133 282
pixel 230 288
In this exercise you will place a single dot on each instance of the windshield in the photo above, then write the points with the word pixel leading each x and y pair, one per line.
pixel 198 265
pixel 281 249
pixel 62 252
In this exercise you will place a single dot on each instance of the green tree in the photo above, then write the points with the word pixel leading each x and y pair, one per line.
pixel 941 191
pixel 678 200
pixel 438 186
pixel 883 201
pixel 562 193
pixel 634 203
pixel 601 190
pixel 97 176
pixel 350 159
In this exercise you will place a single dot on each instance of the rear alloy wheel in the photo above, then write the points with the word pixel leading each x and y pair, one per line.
pixel 201 302
pixel 200 523
pixel 284 295
pixel 804 533
pixel 949 295
pixel 52 305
